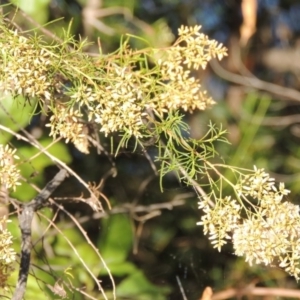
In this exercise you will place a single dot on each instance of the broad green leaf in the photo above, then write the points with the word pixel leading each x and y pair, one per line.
pixel 116 238
pixel 58 150
pixel 38 9
pixel 15 114
pixel 120 268
pixel 138 287
pixel 37 165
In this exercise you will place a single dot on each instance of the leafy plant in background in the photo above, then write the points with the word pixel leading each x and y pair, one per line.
pixel 139 97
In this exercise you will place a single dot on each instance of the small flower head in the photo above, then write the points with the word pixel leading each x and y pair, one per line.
pixel 118 95
pixel 66 123
pixel 9 174
pixel 7 254
pixel 269 232
pixel 220 221
pixel 24 67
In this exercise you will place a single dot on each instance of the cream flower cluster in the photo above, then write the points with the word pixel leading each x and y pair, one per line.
pixel 117 93
pixel 192 50
pixel 68 124
pixel 7 254
pixel 9 173
pixel 24 67
pixel 270 234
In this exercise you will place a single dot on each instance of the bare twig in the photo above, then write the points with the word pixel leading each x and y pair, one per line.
pixel 60 163
pixel 181 288
pixel 254 82
pixel 25 219
pixel 133 208
pixel 84 233
pixel 78 255
pixel 281 121
pixel 76 222
pixel 256 291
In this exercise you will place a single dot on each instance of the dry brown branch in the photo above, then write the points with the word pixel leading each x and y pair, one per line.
pixel 282 121
pixel 84 233
pixel 25 219
pixel 250 290
pixel 253 82
pixel 282 60
pixel 32 141
pixel 133 209
pixel 257 291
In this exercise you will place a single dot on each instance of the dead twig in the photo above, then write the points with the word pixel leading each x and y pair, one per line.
pixel 254 82
pixel 25 219
pixel 249 290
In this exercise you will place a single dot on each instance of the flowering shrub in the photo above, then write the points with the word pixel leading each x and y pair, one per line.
pixel 139 94
pixel 112 94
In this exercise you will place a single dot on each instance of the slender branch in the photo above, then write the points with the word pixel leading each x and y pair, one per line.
pixel 283 92
pixel 181 288
pixel 80 258
pixel 133 209
pixel 281 121
pixel 25 220
pixel 30 139
pixel 256 291
pixel 84 233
